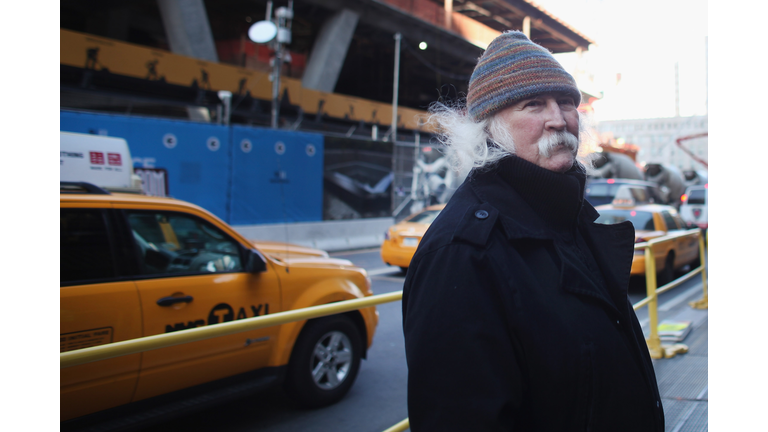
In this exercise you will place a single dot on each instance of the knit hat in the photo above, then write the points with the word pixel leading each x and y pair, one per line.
pixel 511 69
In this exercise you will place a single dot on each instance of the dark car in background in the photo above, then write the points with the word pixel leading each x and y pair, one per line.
pixel 602 191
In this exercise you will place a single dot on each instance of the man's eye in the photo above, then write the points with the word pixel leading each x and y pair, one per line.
pixel 566 101
pixel 533 103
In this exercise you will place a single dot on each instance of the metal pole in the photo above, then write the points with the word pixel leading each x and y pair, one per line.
pixel 448 5
pixel 276 84
pixel 416 168
pixel 226 100
pixel 396 86
pixel 527 26
pixel 395 90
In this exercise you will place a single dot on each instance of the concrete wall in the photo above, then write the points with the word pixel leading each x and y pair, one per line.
pixel 329 235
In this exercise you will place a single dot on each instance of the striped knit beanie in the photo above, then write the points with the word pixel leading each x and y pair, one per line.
pixel 511 69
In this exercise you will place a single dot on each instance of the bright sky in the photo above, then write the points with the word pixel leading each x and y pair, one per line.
pixel 641 40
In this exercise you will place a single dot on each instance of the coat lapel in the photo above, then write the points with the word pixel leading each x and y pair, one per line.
pixel 612 247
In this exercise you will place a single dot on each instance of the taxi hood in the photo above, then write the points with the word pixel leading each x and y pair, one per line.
pixel 294 255
pixel 283 251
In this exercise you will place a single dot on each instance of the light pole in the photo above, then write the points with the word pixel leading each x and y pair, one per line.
pixel 395 86
pixel 277 31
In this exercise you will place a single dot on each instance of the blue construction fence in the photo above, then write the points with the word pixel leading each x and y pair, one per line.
pixel 244 175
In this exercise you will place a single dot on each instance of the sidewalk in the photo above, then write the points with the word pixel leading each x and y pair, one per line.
pixel 683 379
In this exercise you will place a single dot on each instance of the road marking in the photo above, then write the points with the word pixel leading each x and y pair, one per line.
pixel 383 270
pixel 703 392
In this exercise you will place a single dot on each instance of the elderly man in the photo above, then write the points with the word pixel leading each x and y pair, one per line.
pixel 515 307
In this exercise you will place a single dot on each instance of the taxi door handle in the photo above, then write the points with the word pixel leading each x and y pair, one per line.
pixel 169 301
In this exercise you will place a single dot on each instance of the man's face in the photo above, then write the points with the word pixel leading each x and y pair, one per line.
pixel 545 130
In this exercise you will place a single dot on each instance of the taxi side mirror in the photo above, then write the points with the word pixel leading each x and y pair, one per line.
pixel 255 262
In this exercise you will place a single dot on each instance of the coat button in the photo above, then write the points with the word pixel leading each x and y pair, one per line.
pixel 618 322
pixel 481 214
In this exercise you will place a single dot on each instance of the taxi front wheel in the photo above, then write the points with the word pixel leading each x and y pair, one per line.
pixel 325 361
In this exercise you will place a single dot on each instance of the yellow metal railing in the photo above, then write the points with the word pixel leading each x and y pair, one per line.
pixel 400 427
pixel 656 348
pixel 133 346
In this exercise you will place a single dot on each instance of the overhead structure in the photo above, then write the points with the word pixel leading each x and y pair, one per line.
pixel 336 71
pixel 541 26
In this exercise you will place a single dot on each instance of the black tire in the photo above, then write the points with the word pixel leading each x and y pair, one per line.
pixel 403 270
pixel 324 362
pixel 667 274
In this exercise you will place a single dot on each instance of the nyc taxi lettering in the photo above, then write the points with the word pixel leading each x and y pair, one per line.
pixel 220 313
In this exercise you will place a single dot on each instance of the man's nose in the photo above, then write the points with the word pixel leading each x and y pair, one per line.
pixel 555 120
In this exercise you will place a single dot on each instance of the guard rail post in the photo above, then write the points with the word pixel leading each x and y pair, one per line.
pixel 702 303
pixel 653 341
pixel 656 349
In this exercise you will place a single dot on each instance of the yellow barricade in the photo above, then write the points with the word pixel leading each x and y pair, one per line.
pixel 656 348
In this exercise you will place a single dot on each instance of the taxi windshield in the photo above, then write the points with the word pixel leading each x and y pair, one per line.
pixel 642 220
pixel 425 217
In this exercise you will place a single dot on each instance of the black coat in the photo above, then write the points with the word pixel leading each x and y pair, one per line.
pixel 511 326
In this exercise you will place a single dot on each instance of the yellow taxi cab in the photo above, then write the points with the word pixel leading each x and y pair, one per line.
pixel 401 239
pixel 652 221
pixel 133 266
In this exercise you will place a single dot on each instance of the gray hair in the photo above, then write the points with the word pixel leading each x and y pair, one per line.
pixel 470 144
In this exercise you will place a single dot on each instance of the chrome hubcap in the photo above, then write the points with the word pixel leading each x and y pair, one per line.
pixel 331 360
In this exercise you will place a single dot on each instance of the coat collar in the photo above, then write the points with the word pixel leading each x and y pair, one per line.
pixel 536 200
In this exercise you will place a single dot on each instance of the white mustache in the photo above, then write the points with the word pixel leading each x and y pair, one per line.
pixel 550 142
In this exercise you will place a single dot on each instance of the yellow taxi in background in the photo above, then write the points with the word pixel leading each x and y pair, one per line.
pixel 401 239
pixel 652 221
pixel 133 266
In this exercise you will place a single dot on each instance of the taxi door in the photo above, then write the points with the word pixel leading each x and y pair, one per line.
pixel 96 308
pixel 192 276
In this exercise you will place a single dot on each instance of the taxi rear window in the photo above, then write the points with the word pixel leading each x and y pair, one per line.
pixel 642 220
pixel 85 250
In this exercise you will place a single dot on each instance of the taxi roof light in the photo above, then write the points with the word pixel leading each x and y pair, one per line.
pixel 623 197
